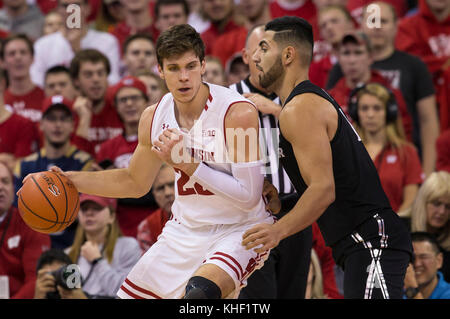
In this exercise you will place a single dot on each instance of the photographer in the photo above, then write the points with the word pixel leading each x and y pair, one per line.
pixel 49 281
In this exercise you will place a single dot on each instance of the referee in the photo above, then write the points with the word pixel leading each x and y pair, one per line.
pixel 284 274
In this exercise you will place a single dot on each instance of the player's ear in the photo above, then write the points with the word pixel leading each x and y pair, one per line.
pixel 288 54
pixel 160 71
pixel 203 67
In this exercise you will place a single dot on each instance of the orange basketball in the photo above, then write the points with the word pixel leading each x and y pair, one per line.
pixel 48 202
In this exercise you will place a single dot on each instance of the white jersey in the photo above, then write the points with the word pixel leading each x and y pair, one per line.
pixel 194 205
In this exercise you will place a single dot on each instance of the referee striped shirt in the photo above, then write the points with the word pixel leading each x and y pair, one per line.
pixel 269 138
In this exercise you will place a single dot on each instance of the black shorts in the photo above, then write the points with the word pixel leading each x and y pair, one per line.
pixel 375 257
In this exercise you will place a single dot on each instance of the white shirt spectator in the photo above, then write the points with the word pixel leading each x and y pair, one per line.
pixel 54 49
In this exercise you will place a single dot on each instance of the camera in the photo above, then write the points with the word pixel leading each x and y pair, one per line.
pixel 67 277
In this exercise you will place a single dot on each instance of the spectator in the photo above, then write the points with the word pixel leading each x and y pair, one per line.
pixel 156 87
pixel 130 99
pixel 356 8
pixel 138 19
pixel 355 58
pixel 104 256
pixel 17 16
pixel 424 280
pixel 67 43
pixel 314 288
pixel 300 8
pixel 18 135
pixel 214 72
pixel 57 125
pixel 98 120
pixel 255 12
pixel 443 151
pixel 430 213
pixel 139 54
pixel 170 12
pixel 408 74
pixel 57 81
pixel 46 285
pixel 196 17
pixel 333 22
pixel 163 192
pixel 374 111
pixel 22 96
pixel 236 70
pixel 111 13
pixel 426 35
pixel 221 14
pixel 20 246
pixel 53 22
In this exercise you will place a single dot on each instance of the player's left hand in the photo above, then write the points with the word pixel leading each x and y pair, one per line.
pixel 262 236
pixel 271 194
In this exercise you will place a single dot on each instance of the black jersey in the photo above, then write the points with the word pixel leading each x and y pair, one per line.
pixel 359 194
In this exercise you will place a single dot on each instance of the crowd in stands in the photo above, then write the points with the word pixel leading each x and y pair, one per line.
pixel 75 76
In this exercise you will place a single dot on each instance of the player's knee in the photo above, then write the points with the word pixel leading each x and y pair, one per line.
pixel 202 288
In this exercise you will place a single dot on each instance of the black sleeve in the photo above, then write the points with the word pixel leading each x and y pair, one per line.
pixel 334 76
pixel 423 85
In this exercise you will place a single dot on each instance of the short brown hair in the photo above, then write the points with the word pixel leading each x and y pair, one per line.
pixel 178 40
pixel 19 36
pixel 87 55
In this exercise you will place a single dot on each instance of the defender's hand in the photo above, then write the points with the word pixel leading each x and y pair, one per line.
pixel 263 236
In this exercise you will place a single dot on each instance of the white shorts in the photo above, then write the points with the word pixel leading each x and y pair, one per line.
pixel 164 270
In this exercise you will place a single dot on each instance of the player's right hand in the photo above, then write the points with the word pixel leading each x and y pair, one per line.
pixel 56 169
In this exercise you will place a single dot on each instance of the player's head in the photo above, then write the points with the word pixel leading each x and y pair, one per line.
pixel 163 188
pixel 181 61
pixel 6 188
pixel 57 123
pixel 288 42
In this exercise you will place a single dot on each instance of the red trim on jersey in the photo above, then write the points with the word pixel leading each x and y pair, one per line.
pixel 144 291
pixel 229 106
pixel 232 259
pixel 153 116
pixel 210 98
pixel 229 265
pixel 129 293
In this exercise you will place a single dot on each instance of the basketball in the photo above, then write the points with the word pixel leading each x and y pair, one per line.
pixel 48 202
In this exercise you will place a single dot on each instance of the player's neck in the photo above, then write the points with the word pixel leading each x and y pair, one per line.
pixel 254 80
pixel 285 86
pixel 21 85
pixel 187 113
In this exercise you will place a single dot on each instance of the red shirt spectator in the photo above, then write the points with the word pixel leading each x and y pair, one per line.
pixel 428 37
pixel 18 136
pixel 398 168
pixel 356 7
pixel 19 252
pixel 211 35
pixel 303 9
pixel 122 31
pixel 443 151
pixel 327 264
pixel 150 228
pixel 28 105
pixel 318 71
pixel 226 45
pixel 341 92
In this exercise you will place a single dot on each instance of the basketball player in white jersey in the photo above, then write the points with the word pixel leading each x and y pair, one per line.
pixel 218 183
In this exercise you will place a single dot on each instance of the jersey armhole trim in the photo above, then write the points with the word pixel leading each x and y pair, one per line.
pixel 153 116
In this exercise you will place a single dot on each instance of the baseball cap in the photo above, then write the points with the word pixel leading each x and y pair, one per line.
pixel 102 201
pixel 357 37
pixel 131 82
pixel 56 101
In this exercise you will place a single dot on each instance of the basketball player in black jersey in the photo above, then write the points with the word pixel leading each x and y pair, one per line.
pixel 331 170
